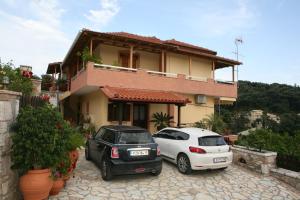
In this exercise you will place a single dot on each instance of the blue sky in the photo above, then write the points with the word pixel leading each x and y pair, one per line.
pixel 36 32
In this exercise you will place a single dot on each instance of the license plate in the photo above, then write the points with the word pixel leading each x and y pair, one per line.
pixel 139 153
pixel 218 160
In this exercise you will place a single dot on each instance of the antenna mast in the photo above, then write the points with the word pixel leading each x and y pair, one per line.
pixel 238 41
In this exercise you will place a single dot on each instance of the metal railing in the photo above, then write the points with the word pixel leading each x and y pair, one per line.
pixel 196 78
pixel 162 73
pixel 224 81
pixel 112 67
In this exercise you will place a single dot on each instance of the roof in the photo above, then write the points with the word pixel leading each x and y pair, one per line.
pixel 183 44
pixel 195 132
pixel 151 39
pixel 52 67
pixel 156 44
pixel 156 40
pixel 139 95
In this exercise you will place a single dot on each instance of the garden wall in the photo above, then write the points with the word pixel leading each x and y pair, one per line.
pixel 9 109
pixel 290 177
pixel 260 162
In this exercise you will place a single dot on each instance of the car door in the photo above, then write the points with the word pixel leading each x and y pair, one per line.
pixel 105 143
pixel 177 143
pixel 93 144
pixel 164 141
pixel 159 139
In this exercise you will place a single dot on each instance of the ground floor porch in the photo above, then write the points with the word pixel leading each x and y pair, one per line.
pixel 104 107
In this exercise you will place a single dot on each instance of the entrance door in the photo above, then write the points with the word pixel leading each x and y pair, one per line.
pixel 140 115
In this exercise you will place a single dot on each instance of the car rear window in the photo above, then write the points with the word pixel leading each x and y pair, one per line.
pixel 211 141
pixel 135 137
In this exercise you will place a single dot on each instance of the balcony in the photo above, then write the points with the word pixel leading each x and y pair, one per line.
pixel 98 75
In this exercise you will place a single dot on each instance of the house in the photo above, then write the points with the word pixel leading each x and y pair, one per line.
pixel 139 76
pixel 255 117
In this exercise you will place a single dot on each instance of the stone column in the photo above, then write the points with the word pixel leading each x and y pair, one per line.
pixel 9 109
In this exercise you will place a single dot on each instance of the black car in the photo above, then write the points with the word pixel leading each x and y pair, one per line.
pixel 124 150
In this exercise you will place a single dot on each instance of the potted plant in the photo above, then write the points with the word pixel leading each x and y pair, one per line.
pixel 86 56
pixel 59 173
pixel 47 82
pixel 161 120
pixel 76 140
pixel 38 145
pixel 62 84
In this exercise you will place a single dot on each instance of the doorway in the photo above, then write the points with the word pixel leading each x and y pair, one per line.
pixel 140 115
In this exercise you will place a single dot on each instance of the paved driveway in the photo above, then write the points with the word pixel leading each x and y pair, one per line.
pixel 233 183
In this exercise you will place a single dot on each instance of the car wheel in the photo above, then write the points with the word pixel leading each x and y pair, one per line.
pixel 87 153
pixel 156 173
pixel 183 164
pixel 105 170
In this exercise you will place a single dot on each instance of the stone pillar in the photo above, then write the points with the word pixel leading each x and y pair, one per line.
pixel 9 109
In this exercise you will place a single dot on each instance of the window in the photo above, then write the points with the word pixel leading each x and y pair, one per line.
pixel 124 59
pixel 99 134
pixel 211 141
pixel 134 137
pixel 113 112
pixel 178 135
pixel 173 135
pixel 108 136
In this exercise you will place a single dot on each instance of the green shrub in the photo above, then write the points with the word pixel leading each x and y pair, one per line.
pixel 283 144
pixel 161 120
pixel 76 140
pixel 40 138
pixel 213 123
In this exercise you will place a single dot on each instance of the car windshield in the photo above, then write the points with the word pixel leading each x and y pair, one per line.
pixel 211 141
pixel 135 137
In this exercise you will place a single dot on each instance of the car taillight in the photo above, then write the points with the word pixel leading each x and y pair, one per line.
pixel 197 150
pixel 158 151
pixel 114 152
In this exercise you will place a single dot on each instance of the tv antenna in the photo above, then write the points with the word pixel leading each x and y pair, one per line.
pixel 238 41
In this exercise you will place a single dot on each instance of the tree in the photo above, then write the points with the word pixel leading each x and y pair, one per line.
pixel 17 82
pixel 212 122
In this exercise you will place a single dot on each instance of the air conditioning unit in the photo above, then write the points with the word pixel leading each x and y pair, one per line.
pixel 200 99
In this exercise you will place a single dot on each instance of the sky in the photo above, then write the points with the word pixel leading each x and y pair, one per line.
pixel 37 32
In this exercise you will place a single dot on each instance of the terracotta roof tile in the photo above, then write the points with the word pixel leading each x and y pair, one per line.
pixel 156 40
pixel 138 37
pixel 139 95
pixel 183 44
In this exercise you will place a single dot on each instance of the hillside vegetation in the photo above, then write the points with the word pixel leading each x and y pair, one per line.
pixel 274 98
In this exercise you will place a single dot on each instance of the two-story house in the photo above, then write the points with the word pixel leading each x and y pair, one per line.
pixel 139 76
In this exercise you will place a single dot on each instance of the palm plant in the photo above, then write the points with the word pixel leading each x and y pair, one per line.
pixel 161 120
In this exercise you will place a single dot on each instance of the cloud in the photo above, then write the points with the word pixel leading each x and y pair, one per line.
pixel 222 19
pixel 99 18
pixel 33 40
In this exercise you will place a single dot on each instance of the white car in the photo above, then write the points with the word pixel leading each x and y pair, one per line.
pixel 193 149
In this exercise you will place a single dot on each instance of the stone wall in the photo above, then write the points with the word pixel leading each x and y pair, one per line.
pixel 260 162
pixel 290 177
pixel 9 109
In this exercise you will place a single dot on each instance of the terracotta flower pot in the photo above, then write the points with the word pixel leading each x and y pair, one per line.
pixel 58 184
pixel 36 184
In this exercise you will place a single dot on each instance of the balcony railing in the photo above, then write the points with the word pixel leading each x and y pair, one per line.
pixel 98 75
pixel 166 74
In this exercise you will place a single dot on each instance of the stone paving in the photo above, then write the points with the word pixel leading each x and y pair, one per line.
pixel 232 183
